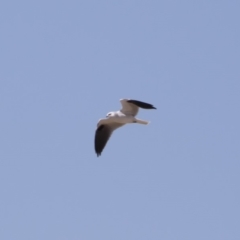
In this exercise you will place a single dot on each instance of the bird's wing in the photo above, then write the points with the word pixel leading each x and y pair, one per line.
pixel 141 104
pixel 102 135
pixel 130 106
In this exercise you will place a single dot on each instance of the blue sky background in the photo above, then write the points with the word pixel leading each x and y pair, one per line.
pixel 64 65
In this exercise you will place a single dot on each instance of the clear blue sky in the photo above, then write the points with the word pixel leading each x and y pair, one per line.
pixel 64 65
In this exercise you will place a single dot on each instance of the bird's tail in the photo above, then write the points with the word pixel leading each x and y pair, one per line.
pixel 142 121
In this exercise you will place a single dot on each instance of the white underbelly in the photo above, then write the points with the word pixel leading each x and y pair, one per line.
pixel 124 119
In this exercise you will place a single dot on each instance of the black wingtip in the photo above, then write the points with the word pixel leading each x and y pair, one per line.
pixel 97 152
pixel 142 104
pixel 99 128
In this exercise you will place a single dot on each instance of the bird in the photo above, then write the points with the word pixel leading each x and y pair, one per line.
pixel 114 120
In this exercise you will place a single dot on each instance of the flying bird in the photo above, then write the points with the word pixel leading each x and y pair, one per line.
pixel 114 120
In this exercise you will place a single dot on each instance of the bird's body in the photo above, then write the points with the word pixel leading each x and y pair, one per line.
pixel 117 119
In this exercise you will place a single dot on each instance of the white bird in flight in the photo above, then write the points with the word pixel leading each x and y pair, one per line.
pixel 114 120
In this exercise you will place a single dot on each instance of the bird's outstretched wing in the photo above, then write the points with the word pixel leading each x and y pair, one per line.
pixel 102 135
pixel 131 107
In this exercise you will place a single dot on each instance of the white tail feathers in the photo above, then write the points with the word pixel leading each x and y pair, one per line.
pixel 142 121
